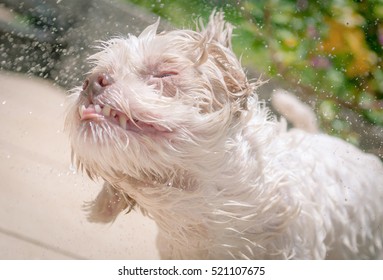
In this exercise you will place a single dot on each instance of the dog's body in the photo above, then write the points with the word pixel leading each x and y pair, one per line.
pixel 171 123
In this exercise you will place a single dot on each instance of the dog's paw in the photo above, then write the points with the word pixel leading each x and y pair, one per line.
pixel 108 204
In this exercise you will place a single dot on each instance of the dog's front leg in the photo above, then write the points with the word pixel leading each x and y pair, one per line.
pixel 108 204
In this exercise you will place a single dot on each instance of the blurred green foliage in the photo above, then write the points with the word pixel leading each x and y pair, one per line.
pixel 329 50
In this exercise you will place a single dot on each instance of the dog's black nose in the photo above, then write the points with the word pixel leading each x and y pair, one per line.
pixel 95 84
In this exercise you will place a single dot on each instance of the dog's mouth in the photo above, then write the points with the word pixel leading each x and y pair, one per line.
pixel 98 113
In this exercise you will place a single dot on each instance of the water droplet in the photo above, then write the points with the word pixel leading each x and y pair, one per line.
pixel 73 169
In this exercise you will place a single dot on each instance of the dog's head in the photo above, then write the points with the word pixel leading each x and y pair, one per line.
pixel 156 103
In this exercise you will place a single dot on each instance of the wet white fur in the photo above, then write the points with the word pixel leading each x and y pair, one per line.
pixel 297 112
pixel 228 180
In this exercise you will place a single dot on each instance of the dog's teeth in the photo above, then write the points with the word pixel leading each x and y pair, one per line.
pixel 97 108
pixel 81 110
pixel 113 113
pixel 106 111
pixel 123 121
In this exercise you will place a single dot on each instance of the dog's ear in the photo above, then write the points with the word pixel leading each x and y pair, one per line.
pixel 232 72
pixel 216 46
pixel 218 29
pixel 150 31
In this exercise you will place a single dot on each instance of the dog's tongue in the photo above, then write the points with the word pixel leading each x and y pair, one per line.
pixel 89 113
pixel 96 113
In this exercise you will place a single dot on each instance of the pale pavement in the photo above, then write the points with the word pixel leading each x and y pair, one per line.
pixel 41 196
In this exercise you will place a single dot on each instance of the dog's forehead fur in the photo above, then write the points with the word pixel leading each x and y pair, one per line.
pixel 143 55
pixel 187 43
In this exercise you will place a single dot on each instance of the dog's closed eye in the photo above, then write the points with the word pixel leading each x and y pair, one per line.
pixel 165 74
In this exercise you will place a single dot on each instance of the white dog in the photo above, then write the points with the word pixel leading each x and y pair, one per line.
pixel 174 127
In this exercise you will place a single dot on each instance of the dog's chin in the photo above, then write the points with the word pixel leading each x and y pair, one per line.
pixel 109 144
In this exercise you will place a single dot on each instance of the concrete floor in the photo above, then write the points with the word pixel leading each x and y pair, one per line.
pixel 41 196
